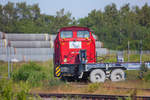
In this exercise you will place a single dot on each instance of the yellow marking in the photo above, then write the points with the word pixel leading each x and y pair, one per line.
pixel 58 74
pixel 57 67
pixel 58 71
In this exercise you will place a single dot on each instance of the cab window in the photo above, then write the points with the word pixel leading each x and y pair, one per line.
pixel 83 34
pixel 66 34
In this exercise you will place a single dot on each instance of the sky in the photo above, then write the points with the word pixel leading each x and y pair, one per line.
pixel 78 8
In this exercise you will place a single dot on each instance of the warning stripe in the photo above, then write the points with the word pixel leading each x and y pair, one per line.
pixel 58 74
pixel 57 67
pixel 58 71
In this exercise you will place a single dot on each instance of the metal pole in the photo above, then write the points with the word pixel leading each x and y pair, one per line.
pixel 8 60
pixel 140 51
pixel 128 51
pixel 0 53
pixel 1 43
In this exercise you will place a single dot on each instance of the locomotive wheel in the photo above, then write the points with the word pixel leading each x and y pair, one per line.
pixel 117 75
pixel 97 75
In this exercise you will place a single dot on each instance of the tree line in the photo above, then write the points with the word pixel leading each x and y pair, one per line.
pixel 115 27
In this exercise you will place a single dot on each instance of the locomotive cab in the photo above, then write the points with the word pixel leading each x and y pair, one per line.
pixel 73 47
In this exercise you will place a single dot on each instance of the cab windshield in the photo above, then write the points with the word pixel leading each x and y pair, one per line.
pixel 66 34
pixel 83 34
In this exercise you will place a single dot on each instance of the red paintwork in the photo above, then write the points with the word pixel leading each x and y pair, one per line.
pixel 62 50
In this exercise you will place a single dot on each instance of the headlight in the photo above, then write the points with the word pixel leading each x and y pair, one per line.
pixel 65 60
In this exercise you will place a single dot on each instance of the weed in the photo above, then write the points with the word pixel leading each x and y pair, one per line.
pixel 131 74
pixel 93 87
pixel 55 82
pixel 146 76
pixel 127 98
pixel 143 68
pixel 144 73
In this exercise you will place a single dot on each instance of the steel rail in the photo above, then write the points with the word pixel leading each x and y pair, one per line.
pixel 124 88
pixel 92 96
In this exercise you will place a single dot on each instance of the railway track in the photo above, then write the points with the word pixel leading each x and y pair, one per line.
pixel 45 96
pixel 113 87
pixel 49 96
pixel 129 88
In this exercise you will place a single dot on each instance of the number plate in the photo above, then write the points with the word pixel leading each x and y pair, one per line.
pixel 75 44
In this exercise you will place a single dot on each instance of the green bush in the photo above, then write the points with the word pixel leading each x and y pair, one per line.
pixel 143 72
pixel 143 68
pixel 8 91
pixel 32 72
pixel 146 76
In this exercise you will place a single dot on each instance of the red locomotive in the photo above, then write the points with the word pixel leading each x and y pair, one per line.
pixel 68 43
pixel 75 55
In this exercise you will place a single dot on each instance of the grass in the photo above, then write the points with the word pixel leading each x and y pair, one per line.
pixel 39 75
pixel 50 84
pixel 32 73
pixel 11 91
pixel 3 69
pixel 136 57
pixel 102 88
pixel 107 58
pixel 93 87
pixel 132 58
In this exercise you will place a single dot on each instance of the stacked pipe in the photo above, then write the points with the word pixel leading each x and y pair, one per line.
pixel 31 40
pixel 3 43
pixel 28 51
pixel 26 47
pixel 102 51
pixel 99 44
pixel 27 37
pixel 2 35
pixel 31 44
pixel 99 47
pixel 52 37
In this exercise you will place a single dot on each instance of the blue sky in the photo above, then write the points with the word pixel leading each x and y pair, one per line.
pixel 78 8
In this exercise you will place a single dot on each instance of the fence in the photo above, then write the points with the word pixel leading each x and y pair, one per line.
pixel 27 54
pixel 39 47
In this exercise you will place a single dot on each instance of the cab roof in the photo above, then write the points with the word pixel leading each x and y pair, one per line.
pixel 74 28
